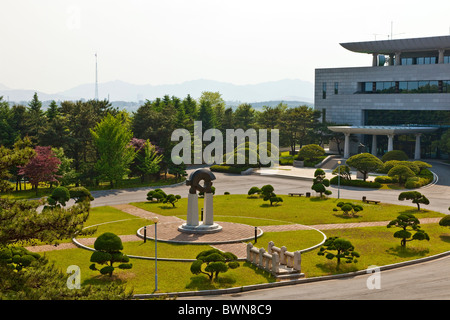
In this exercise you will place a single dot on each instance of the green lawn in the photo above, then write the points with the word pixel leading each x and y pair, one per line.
pixel 307 211
pixel 376 245
pixel 172 276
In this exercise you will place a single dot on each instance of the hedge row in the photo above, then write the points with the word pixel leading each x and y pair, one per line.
pixel 423 178
pixel 355 183
pixel 227 169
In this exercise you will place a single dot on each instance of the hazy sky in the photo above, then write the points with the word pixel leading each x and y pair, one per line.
pixel 50 45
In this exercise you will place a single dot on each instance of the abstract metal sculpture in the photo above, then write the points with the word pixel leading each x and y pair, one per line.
pixel 192 224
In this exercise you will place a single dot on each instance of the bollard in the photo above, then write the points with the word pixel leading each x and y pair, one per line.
pixel 145 234
pixel 256 234
pixel 201 219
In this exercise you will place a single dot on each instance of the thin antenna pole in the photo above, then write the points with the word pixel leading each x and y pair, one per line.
pixel 392 29
pixel 96 80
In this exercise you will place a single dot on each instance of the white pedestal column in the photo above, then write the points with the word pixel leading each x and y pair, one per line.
pixel 417 149
pixel 192 211
pixel 208 211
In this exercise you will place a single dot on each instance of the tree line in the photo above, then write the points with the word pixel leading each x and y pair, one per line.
pixel 84 142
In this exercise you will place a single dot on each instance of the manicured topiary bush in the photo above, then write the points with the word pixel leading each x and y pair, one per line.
pixel 156 195
pixel 227 169
pixel 408 224
pixel 415 196
pixel 335 247
pixel 388 165
pixel 80 194
pixel 401 172
pixel 108 248
pixel 349 209
pixel 59 197
pixel 216 262
pixel 365 163
pixel 311 152
pixel 268 194
pixel 445 221
pixel 356 183
pixel 394 155
pixel 320 183
pixel 253 192
pixel 172 199
pixel 386 179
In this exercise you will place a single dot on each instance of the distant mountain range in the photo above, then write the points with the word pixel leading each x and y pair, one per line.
pixel 294 90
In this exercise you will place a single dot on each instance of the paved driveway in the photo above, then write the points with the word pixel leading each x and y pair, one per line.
pixel 438 194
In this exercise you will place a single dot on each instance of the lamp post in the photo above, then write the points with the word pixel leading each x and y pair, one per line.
pixel 339 177
pixel 155 220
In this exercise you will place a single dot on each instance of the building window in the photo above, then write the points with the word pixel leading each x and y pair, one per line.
pixel 446 59
pixel 407 61
pixel 385 87
pixel 336 88
pixel 426 86
pixel 446 86
pixel 324 90
pixel 367 87
pixel 426 60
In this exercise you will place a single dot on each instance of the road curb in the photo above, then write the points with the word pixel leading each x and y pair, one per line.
pixel 288 282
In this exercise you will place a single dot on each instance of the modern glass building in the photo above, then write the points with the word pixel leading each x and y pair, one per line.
pixel 401 101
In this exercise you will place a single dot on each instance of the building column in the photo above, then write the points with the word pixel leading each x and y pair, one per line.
pixel 374 145
pixel 374 59
pixel 417 149
pixel 390 142
pixel 398 58
pixel 441 56
pixel 347 146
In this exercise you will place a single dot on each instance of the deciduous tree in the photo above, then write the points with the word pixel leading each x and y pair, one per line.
pixel 43 167
pixel 112 138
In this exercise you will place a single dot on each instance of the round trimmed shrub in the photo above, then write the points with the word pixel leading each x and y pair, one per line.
pixel 395 155
pixel 386 179
pixel 59 195
pixel 80 194
pixel 108 242
pixel 445 221
pixel 311 151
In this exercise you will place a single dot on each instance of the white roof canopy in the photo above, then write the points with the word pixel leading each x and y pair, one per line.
pixel 382 130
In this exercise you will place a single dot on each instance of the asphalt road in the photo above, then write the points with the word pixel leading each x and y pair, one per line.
pixel 425 281
pixel 438 194
pixel 428 280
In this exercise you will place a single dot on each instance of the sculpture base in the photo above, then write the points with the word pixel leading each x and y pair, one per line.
pixel 201 228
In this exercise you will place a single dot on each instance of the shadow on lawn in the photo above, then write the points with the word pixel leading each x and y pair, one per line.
pixel 413 211
pixel 347 217
pixel 408 252
pixel 445 237
pixel 201 282
pixel 330 267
